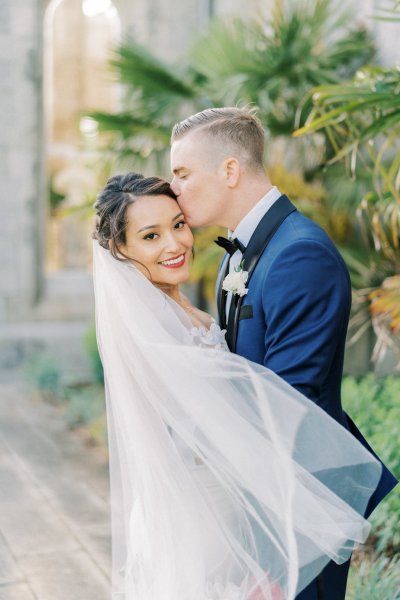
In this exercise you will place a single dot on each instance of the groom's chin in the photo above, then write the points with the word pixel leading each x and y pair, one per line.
pixel 191 222
pixel 195 222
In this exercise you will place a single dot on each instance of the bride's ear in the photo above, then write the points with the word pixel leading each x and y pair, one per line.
pixel 232 171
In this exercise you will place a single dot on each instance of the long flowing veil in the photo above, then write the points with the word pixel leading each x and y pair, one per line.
pixel 277 488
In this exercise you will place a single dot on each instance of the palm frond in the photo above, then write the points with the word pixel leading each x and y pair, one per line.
pixel 391 14
pixel 273 63
pixel 386 301
pixel 140 69
pixel 127 124
pixel 373 96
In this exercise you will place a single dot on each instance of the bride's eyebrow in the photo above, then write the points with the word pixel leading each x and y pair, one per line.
pixel 147 227
pixel 154 226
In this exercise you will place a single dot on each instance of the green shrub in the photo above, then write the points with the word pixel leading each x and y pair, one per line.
pixel 374 404
pixel 374 579
pixel 94 356
pixel 45 374
pixel 85 405
pixel 82 404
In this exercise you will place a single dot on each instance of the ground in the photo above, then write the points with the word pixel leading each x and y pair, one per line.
pixel 54 505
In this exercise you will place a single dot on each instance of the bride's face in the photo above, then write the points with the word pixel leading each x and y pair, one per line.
pixel 158 237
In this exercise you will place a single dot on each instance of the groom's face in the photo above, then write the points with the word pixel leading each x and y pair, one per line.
pixel 198 180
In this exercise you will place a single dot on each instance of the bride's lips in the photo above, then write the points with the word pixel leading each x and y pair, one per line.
pixel 174 265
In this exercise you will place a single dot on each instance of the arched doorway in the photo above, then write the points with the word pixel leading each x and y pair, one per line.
pixel 78 38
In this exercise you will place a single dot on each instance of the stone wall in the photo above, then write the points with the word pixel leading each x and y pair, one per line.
pixel 21 157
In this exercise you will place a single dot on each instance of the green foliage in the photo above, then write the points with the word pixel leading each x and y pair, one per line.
pixel 98 428
pixel 55 198
pixel 85 405
pixel 373 96
pixel 45 375
pixel 206 262
pixel 271 62
pixel 374 404
pixel 155 94
pixel 389 13
pixel 94 356
pixel 362 120
pixel 377 579
pixel 135 64
pixel 367 272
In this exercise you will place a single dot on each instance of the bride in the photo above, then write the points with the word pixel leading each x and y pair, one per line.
pixel 217 491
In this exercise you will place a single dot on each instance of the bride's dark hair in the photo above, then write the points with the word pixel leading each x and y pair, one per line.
pixel 112 202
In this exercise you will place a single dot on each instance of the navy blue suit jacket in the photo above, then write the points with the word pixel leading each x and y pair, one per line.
pixel 294 317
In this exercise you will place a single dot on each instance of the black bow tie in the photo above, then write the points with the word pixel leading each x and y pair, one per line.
pixel 230 246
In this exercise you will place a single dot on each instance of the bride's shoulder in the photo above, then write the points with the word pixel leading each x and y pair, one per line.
pixel 205 331
pixel 202 318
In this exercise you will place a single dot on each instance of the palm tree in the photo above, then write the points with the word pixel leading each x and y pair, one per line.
pixel 362 121
pixel 274 62
pixel 271 62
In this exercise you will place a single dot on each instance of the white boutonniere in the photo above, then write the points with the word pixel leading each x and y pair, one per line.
pixel 236 282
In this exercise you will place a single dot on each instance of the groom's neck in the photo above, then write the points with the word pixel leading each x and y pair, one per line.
pixel 246 196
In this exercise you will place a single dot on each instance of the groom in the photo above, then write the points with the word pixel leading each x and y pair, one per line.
pixel 293 318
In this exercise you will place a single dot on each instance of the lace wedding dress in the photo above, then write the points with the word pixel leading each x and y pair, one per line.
pixel 226 483
pixel 213 339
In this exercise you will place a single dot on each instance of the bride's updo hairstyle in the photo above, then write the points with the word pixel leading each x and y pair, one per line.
pixel 112 202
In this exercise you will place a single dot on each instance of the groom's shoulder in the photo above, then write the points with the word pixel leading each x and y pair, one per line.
pixel 298 228
pixel 300 235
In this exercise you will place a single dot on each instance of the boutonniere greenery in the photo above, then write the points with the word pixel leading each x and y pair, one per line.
pixel 236 282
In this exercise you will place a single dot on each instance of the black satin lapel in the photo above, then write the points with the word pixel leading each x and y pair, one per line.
pixel 265 231
pixel 221 296
pixel 231 329
pixel 260 239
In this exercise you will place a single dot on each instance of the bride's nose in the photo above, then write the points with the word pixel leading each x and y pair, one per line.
pixel 172 245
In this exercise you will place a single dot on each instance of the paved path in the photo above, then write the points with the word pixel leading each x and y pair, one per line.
pixel 54 511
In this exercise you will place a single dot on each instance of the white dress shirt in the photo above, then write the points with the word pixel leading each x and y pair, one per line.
pixel 245 230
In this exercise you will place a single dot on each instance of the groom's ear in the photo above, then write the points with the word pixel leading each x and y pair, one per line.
pixel 231 171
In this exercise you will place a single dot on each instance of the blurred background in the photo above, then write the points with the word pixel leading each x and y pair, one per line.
pixel 90 88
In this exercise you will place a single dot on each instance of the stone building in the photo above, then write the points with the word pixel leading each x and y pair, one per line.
pixel 46 295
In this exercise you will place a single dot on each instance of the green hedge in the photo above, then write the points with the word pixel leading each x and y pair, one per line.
pixel 374 578
pixel 86 406
pixel 44 374
pixel 374 404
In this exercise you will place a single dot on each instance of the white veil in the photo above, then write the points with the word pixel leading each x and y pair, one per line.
pixel 292 482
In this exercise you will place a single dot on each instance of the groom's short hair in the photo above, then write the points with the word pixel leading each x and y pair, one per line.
pixel 237 129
